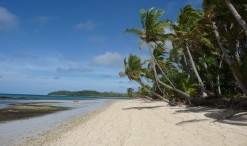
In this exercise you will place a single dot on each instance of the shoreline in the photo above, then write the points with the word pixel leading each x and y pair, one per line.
pixel 56 132
pixel 139 122
pixel 18 131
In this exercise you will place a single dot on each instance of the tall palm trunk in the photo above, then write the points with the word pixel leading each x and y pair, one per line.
pixel 211 84
pixel 218 78
pixel 185 60
pixel 152 92
pixel 228 59
pixel 163 84
pixel 236 15
pixel 159 65
pixel 187 64
pixel 194 69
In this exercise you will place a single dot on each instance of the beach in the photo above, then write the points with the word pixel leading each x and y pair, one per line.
pixel 22 121
pixel 147 123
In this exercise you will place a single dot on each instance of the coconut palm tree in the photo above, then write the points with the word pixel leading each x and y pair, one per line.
pixel 130 92
pixel 134 71
pixel 154 32
pixel 237 15
pixel 186 35
pixel 227 32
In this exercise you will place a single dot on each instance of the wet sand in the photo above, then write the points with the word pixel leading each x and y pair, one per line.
pixel 144 123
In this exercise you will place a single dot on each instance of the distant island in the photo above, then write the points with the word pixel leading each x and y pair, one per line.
pixel 87 93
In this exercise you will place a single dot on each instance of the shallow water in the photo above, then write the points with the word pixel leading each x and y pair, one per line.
pixel 15 132
pixel 4 103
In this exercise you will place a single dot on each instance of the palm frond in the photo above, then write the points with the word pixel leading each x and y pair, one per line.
pixel 122 74
pixel 142 17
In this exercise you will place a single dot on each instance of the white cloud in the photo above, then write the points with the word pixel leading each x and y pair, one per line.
pixel 96 39
pixel 88 25
pixel 73 70
pixel 109 59
pixel 8 20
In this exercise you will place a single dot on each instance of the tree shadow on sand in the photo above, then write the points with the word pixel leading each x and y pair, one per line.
pixel 141 108
pixel 191 121
pixel 226 116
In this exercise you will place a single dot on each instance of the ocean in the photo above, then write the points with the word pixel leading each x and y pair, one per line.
pixel 4 103
pixel 47 97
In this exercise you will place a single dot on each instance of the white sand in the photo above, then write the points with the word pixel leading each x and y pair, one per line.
pixel 140 123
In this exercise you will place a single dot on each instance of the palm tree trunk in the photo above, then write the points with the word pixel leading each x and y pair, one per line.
pixel 148 98
pixel 236 15
pixel 187 64
pixel 194 69
pixel 218 78
pixel 228 59
pixel 159 46
pixel 151 53
pixel 152 92
pixel 211 84
pixel 185 60
pixel 163 84
pixel 163 72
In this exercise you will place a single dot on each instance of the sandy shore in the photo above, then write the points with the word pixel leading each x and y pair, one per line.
pixel 143 123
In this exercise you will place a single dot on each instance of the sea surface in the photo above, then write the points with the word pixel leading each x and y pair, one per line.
pixel 5 102
pixel 18 131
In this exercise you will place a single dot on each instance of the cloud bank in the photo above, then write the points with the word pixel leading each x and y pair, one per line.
pixel 73 70
pixel 108 59
pixel 8 21
pixel 88 25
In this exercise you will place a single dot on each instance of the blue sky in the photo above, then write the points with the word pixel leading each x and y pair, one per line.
pixel 50 45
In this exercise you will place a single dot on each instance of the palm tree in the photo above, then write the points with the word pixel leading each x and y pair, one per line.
pixel 185 35
pixel 154 31
pixel 134 71
pixel 237 15
pixel 218 15
pixel 130 92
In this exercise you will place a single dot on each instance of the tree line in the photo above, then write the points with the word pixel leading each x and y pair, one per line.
pixel 208 58
pixel 87 93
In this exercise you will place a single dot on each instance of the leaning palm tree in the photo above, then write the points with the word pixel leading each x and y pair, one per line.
pixel 216 15
pixel 237 15
pixel 134 71
pixel 154 32
pixel 186 36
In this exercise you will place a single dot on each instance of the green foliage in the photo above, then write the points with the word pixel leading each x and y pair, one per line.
pixel 192 33
pixel 130 92
pixel 87 93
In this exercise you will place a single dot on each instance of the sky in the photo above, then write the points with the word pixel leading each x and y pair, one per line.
pixel 51 45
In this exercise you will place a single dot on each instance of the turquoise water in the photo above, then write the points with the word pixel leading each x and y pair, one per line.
pixel 4 103
pixel 47 97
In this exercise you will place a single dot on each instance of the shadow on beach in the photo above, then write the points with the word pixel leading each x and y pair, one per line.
pixel 226 116
pixel 141 108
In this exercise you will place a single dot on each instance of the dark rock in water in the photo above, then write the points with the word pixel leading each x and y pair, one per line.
pixel 15 98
